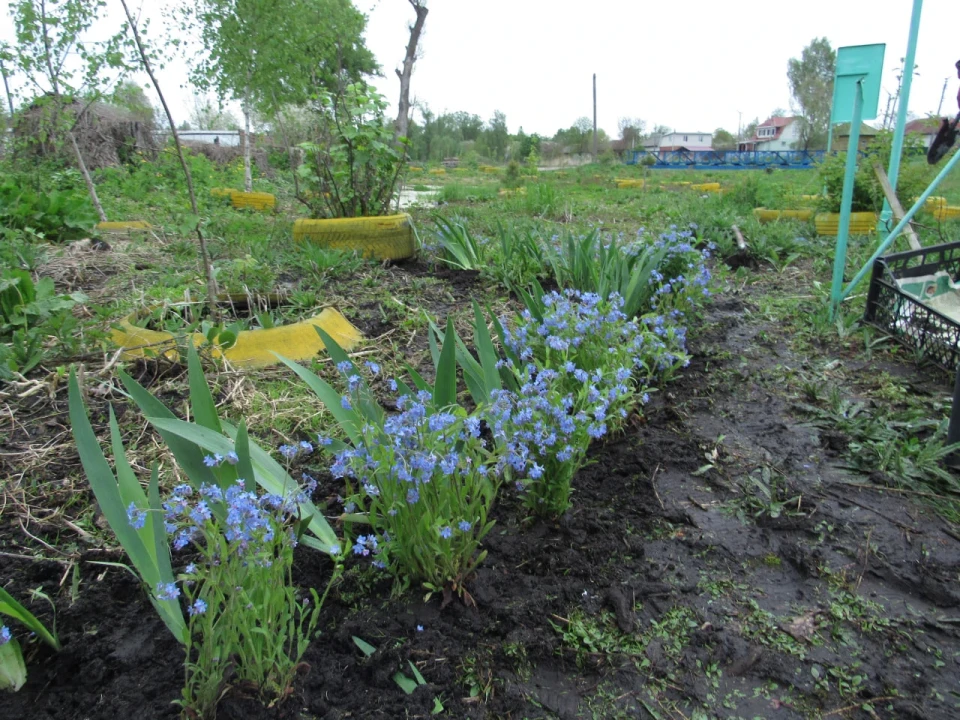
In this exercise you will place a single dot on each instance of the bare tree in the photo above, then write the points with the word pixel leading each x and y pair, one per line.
pixel 403 116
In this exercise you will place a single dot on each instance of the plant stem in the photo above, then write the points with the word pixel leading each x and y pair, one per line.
pixel 204 254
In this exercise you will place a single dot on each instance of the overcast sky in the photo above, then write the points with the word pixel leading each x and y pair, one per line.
pixel 692 65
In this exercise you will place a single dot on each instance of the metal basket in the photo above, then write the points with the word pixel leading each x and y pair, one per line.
pixel 929 333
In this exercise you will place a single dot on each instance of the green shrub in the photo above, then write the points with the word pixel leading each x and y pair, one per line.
pixel 53 215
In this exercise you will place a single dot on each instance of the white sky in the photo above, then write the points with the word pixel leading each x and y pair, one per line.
pixel 691 65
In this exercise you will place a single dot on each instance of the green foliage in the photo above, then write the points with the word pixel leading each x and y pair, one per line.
pixel 353 168
pixel 29 313
pixel 269 54
pixel 511 176
pixel 13 671
pixel 51 215
pixel 146 546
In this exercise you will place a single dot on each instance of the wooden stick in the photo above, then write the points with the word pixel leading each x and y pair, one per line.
pixel 741 243
pixel 895 205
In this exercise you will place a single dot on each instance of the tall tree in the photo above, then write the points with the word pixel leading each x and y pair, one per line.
pixel 723 140
pixel 267 53
pixel 416 29
pixel 811 85
pixel 631 130
pixel 497 135
pixel 64 68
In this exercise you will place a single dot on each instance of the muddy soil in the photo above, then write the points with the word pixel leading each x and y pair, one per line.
pixel 717 560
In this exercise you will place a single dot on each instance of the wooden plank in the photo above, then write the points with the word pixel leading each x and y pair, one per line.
pixel 895 205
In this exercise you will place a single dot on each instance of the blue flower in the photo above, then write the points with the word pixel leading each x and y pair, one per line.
pixel 136 517
pixel 412 496
pixel 167 591
pixel 464 526
pixel 6 636
pixel 232 458
pixel 190 569
pixel 199 607
pixel 210 461
pixel 306 447
pixel 344 366
pixel 345 403
pixel 288 451
pixel 535 471
pixel 472 426
pixel 324 441
pixel 392 384
pixel 419 628
pixel 373 367
pixel 446 532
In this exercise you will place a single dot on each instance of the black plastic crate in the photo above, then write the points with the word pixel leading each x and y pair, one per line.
pixel 927 332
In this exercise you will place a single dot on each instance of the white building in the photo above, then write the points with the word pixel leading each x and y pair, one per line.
pixel 776 133
pixel 698 140
pixel 211 137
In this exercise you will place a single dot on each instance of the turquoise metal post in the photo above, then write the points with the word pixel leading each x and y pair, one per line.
pixel 846 201
pixel 868 266
pixel 907 80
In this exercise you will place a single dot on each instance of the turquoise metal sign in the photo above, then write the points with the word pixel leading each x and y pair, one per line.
pixel 857 64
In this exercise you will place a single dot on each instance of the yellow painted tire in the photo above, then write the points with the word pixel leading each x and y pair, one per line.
pixel 222 192
pixel 861 223
pixel 438 171
pixel 946 212
pixel 253 348
pixel 389 237
pixel 765 216
pixel 253 200
pixel 124 226
pixel 629 183
pixel 706 187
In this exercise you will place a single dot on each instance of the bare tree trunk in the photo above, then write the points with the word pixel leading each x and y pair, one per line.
pixel 403 116
pixel 91 188
pixel 204 254
pixel 247 174
pixel 6 87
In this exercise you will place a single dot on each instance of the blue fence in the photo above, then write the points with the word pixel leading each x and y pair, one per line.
pixel 729 159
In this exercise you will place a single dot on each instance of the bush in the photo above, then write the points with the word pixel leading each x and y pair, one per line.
pixel 354 167
pixel 53 215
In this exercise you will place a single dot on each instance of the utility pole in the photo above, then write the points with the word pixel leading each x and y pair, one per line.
pixel 594 117
pixel 943 94
pixel 739 128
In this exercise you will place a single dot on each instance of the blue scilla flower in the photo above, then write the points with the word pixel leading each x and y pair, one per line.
pixel 345 366
pixel 232 458
pixel 5 635
pixel 136 517
pixel 372 367
pixel 446 532
pixel 288 451
pixel 306 447
pixel 199 607
pixel 464 526
pixel 392 384
pixel 441 421
pixel 412 496
pixel 353 382
pixel 345 403
pixel 472 426
pixel 210 461
pixel 167 591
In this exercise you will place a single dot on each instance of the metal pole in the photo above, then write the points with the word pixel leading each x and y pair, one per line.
pixel 594 117
pixel 846 201
pixel 902 224
pixel 904 99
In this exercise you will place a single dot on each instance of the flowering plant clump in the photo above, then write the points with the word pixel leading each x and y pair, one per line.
pixel 682 278
pixel 424 480
pixel 600 358
pixel 243 610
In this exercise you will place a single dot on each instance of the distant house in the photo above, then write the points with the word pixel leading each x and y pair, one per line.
pixel 841 136
pixel 670 142
pixel 775 133
pixel 924 128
